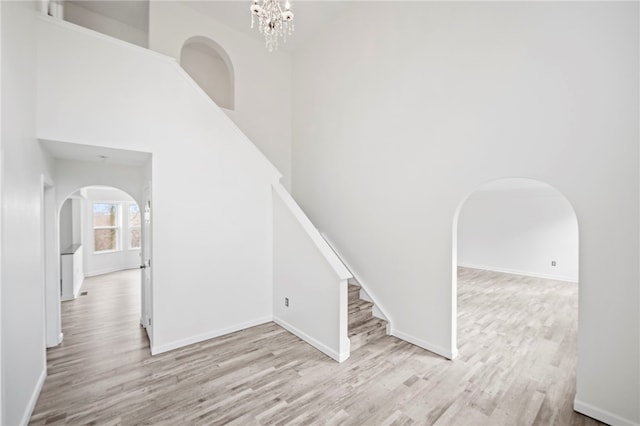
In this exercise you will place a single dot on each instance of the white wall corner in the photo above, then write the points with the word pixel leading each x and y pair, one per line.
pixel 67 297
pixel 158 349
pixel 339 356
pixel 438 350
pixel 601 415
pixel 76 293
pixel 34 397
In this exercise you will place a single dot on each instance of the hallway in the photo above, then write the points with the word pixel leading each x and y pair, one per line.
pixel 516 366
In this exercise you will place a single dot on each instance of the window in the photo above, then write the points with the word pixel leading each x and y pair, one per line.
pixel 134 226
pixel 106 226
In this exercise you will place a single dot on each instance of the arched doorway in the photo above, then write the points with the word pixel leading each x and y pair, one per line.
pixel 515 287
pixel 101 227
pixel 100 241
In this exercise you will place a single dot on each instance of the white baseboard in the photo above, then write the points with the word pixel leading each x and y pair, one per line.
pixel 338 356
pixel 155 350
pixel 447 353
pixel 110 270
pixel 601 415
pixel 34 397
pixel 67 297
pixel 519 272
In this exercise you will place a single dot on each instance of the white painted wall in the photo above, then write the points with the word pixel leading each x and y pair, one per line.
pixel 311 277
pixel 73 175
pixel 23 334
pixel 103 263
pixel 519 230
pixel 66 224
pixel 1 226
pixel 262 79
pixel 71 275
pixel 212 253
pixel 403 109
pixel 76 14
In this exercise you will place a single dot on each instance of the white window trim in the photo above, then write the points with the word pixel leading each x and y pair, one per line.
pixel 117 227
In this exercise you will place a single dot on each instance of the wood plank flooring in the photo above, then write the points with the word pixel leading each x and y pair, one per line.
pixel 517 341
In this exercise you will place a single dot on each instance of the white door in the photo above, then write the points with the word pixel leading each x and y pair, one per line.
pixel 146 308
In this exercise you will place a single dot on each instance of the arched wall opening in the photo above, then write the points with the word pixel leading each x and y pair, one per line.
pixel 104 224
pixel 210 66
pixel 521 236
pixel 102 232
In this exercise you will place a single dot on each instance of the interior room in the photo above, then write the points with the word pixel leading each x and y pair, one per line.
pixel 353 212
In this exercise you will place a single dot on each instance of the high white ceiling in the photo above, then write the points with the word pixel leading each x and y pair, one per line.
pixel 94 154
pixel 311 16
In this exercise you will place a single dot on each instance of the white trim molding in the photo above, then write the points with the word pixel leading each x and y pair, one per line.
pixel 155 350
pixel 110 270
pixel 601 415
pixel 446 353
pixel 34 398
pixel 340 357
pixel 525 273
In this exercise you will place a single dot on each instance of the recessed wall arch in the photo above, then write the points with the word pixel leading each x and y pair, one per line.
pixel 210 66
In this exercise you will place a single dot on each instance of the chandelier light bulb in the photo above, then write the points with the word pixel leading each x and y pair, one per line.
pixel 255 8
pixel 274 21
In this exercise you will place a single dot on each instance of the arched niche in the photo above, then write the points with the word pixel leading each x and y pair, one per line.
pixel 209 65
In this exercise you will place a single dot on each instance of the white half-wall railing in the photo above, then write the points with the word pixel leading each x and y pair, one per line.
pixel 309 280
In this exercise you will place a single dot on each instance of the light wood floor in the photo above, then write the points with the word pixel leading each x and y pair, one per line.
pixel 517 341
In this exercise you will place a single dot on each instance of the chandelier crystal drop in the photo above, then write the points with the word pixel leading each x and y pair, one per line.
pixel 274 21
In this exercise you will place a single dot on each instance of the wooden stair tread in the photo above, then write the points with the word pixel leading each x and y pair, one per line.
pixel 359 305
pixel 366 325
pixel 363 326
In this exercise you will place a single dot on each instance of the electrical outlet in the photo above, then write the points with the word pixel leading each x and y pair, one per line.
pixel 553 263
pixel 286 302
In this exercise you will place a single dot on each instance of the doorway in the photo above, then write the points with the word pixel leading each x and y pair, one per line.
pixel 515 278
pixel 87 178
pixel 101 235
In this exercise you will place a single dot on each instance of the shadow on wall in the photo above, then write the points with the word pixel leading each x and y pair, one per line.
pixel 210 66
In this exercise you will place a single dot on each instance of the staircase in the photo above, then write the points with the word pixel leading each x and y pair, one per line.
pixel 364 328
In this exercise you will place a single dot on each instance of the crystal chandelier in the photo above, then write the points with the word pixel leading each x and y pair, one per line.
pixel 273 21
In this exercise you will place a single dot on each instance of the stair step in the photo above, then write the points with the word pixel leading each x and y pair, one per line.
pixel 359 312
pixel 363 326
pixel 366 332
pixel 354 292
pixel 359 305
